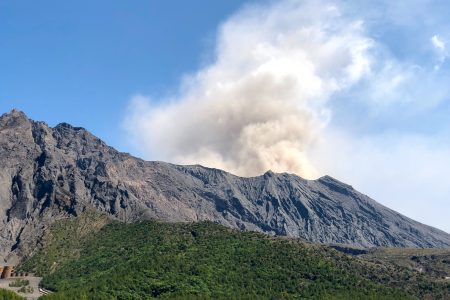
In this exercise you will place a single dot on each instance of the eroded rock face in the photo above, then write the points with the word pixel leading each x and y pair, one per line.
pixel 51 173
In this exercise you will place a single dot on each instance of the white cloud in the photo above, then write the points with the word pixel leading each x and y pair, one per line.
pixel 438 43
pixel 412 88
pixel 442 52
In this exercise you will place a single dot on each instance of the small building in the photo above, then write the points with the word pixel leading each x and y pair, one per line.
pixel 7 271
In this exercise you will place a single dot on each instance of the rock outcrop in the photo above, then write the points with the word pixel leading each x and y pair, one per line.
pixel 52 173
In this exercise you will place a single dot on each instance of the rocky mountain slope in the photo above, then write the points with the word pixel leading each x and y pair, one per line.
pixel 52 173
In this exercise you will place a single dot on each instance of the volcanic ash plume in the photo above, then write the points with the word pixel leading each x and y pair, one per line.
pixel 261 103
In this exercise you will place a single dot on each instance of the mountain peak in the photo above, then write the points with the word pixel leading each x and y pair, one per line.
pixel 333 181
pixel 15 113
pixel 269 173
pixel 13 118
pixel 67 126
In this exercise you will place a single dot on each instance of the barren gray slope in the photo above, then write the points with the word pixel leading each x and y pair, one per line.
pixel 50 173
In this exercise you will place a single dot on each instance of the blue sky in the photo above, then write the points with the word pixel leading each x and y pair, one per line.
pixel 80 61
pixel 355 89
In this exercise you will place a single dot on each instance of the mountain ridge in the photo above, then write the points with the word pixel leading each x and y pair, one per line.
pixel 52 173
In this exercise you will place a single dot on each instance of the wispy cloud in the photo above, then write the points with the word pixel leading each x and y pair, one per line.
pixel 438 43
pixel 441 49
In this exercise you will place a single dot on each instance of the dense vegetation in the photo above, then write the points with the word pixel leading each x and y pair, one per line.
pixel 206 260
pixel 8 295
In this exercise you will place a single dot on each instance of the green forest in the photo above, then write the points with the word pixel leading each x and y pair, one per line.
pixel 208 261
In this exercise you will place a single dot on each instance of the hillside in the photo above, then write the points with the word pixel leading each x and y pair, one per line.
pixel 206 260
pixel 8 295
pixel 432 262
pixel 54 173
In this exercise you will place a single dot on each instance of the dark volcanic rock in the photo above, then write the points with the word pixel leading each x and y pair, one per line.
pixel 51 173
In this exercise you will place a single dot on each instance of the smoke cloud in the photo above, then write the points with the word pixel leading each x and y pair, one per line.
pixel 262 102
